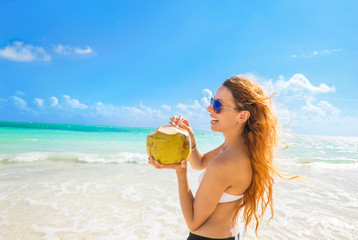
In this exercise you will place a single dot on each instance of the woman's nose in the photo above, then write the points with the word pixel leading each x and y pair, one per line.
pixel 210 108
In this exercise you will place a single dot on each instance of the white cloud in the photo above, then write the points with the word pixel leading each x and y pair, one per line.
pixel 321 117
pixel 329 108
pixel 299 83
pixel 19 52
pixel 195 112
pixel 20 93
pixel 321 111
pixel 208 93
pixel 324 52
pixel 140 115
pixel 54 102
pixel 298 108
pixel 312 109
pixel 39 102
pixel 84 51
pixel 195 106
pixel 128 115
pixel 105 110
pixel 67 50
pixel 316 53
pixel 302 112
pixel 166 107
pixel 207 96
pixel 150 112
pixel 205 101
pixel 20 103
pixel 64 50
pixel 297 91
pixel 74 103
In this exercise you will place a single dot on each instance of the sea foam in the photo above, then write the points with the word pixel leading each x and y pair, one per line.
pixel 119 157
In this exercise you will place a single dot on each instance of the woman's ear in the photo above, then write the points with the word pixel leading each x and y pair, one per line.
pixel 243 116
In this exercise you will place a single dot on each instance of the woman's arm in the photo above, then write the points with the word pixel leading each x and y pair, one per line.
pixel 185 196
pixel 198 161
pixel 197 210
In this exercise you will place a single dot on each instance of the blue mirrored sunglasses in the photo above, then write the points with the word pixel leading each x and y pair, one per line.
pixel 217 105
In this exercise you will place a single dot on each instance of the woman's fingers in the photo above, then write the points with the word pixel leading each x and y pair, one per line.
pixel 174 121
pixel 183 125
pixel 183 121
pixel 158 165
pixel 184 163
pixel 151 161
pixel 186 122
pixel 186 125
pixel 155 163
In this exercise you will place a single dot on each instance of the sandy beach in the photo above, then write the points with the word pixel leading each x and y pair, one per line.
pixel 117 195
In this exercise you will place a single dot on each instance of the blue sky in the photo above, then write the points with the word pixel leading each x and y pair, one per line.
pixel 137 63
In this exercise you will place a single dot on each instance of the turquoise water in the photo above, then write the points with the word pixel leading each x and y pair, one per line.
pixel 20 137
pixel 26 142
pixel 63 181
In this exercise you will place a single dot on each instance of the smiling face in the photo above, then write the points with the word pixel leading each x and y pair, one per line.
pixel 227 119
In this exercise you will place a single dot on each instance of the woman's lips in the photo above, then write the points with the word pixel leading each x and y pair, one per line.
pixel 214 120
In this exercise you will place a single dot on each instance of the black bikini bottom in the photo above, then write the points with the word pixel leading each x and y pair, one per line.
pixel 193 236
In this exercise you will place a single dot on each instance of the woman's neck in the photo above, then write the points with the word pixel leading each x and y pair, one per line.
pixel 233 138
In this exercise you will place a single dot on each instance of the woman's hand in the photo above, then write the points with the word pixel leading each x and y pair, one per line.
pixel 183 123
pixel 179 167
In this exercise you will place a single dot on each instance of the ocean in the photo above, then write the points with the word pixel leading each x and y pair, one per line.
pixel 61 181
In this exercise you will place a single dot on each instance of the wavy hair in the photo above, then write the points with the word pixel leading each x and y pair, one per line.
pixel 261 136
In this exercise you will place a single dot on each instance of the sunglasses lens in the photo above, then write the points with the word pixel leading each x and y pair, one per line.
pixel 216 105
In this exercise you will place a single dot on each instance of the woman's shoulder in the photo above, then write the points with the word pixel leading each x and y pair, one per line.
pixel 230 157
pixel 231 162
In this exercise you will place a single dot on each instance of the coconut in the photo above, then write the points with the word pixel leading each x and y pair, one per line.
pixel 169 144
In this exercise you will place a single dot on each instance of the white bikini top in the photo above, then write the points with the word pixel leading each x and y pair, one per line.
pixel 225 197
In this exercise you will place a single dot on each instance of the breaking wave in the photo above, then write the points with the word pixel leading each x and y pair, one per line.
pixel 120 157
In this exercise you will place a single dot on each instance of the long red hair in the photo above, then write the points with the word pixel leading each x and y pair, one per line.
pixel 260 134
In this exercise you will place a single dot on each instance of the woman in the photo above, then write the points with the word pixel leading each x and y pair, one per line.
pixel 239 173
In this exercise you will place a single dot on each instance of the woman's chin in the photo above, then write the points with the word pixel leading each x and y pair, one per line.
pixel 214 128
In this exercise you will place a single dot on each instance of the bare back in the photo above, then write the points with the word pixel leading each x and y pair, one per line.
pixel 236 166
